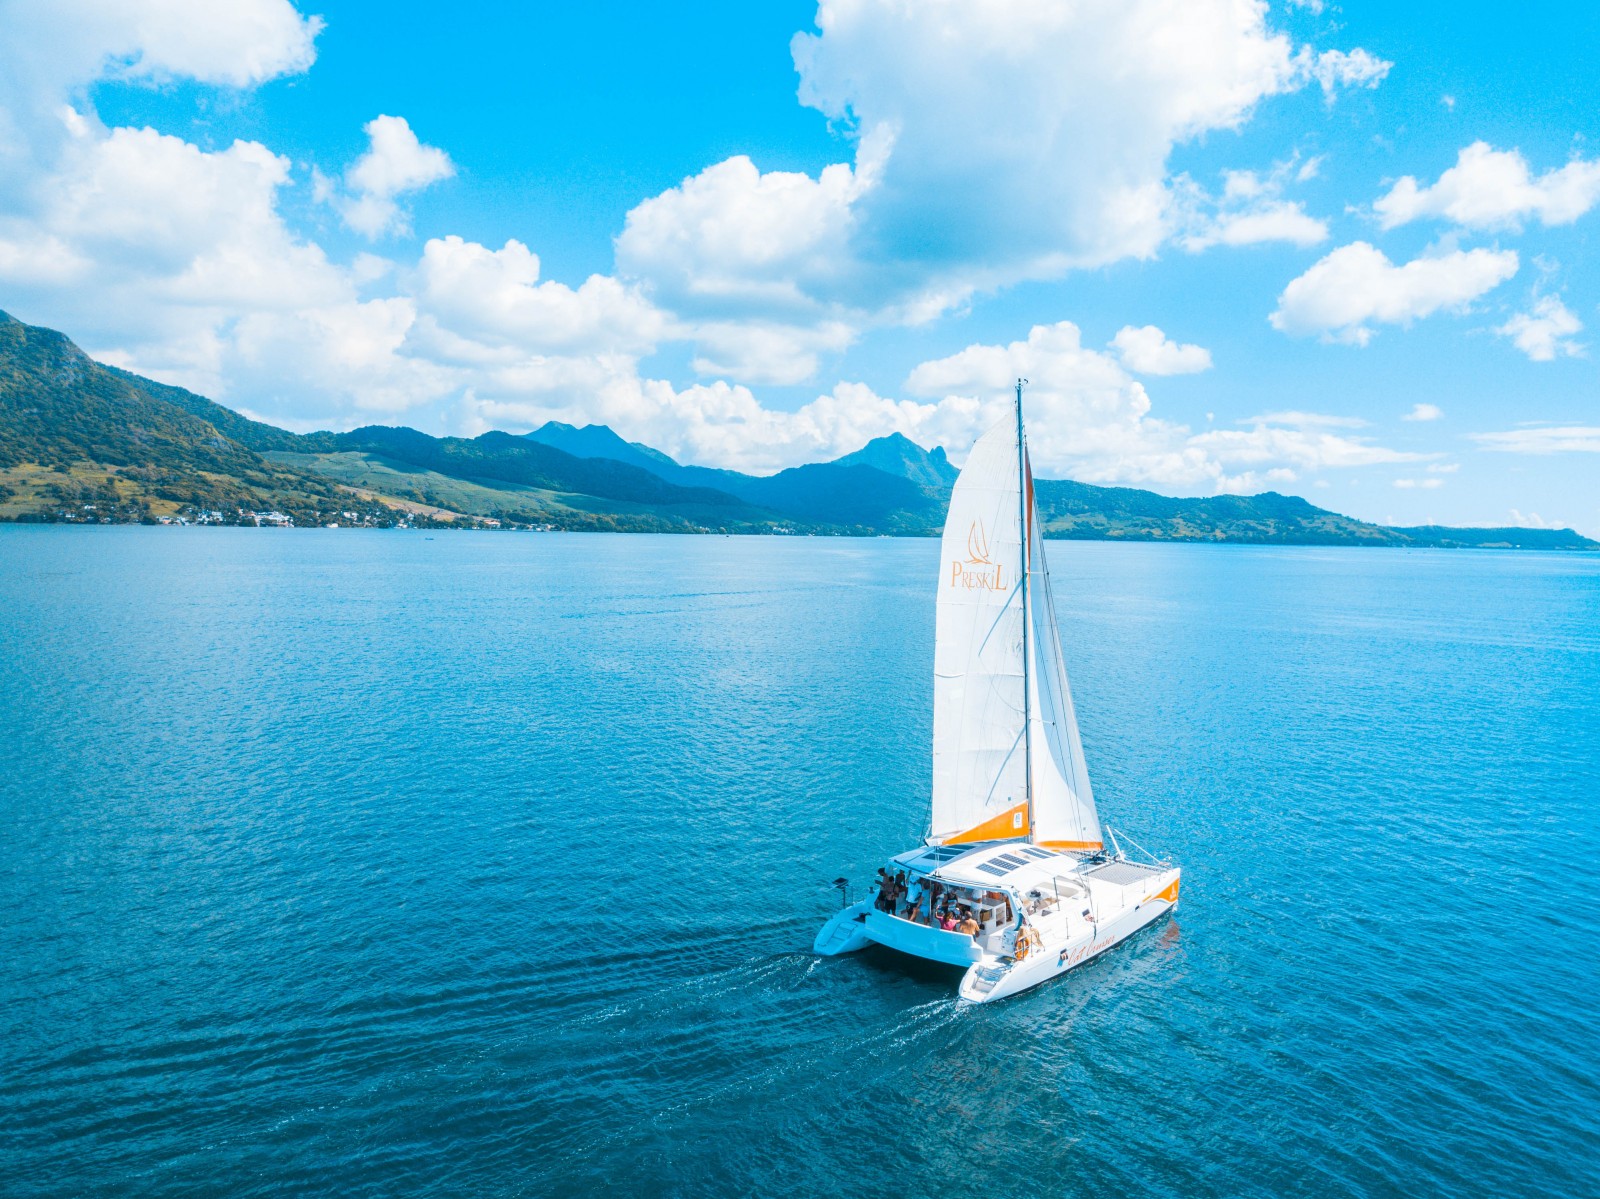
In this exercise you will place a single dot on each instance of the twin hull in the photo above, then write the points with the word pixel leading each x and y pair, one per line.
pixel 1123 908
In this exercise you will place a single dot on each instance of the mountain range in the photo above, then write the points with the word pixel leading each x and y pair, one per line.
pixel 81 441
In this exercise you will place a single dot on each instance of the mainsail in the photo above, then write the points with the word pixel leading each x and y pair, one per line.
pixel 1007 762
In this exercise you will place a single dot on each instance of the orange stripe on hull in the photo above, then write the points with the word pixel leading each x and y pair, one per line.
pixel 1170 894
pixel 1010 823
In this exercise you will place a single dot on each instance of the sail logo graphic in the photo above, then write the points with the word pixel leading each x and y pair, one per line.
pixel 977 572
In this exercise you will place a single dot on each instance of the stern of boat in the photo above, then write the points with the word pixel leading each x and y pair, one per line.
pixel 845 932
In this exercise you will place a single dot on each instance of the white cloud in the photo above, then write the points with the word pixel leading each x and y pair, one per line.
pixel 1249 211
pixel 1333 69
pixel 395 162
pixel 495 297
pixel 1278 221
pixel 54 46
pixel 1494 189
pixel 761 352
pixel 1092 97
pixel 148 247
pixel 1306 419
pixel 734 234
pixel 1356 285
pixel 1424 412
pixel 1547 439
pixel 1409 484
pixel 1148 351
pixel 1546 332
pixel 1092 421
pixel 937 207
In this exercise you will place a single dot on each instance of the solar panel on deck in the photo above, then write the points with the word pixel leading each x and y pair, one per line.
pixel 1033 851
pixel 1011 860
pixel 991 868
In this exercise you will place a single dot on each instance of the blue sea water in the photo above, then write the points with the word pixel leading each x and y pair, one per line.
pixel 488 864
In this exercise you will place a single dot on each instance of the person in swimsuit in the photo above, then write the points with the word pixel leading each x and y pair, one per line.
pixel 885 900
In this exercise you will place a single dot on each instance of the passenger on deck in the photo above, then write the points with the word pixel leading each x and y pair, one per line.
pixel 885 900
pixel 908 910
pixel 948 921
pixel 968 925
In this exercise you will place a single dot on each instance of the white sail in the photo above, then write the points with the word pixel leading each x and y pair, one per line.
pixel 1064 815
pixel 979 766
pixel 981 740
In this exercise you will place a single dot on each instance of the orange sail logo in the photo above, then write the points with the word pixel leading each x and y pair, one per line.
pixel 977 572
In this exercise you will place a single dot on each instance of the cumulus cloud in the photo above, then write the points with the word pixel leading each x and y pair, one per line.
pixel 936 207
pixel 1148 351
pixel 1543 439
pixel 51 47
pixel 734 234
pixel 1089 419
pixel 1092 97
pixel 1356 286
pixel 395 162
pixel 1333 69
pixel 1249 211
pixel 495 297
pixel 1429 483
pixel 1494 189
pixel 1280 220
pixel 1424 412
pixel 767 352
pixel 1546 332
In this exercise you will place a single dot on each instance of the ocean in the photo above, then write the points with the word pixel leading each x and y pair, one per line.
pixel 382 863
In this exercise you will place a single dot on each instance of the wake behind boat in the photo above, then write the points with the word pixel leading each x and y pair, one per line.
pixel 1014 881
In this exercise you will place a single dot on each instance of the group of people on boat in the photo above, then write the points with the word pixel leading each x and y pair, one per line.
pixel 929 902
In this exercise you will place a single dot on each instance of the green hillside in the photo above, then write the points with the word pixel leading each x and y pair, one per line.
pixel 81 442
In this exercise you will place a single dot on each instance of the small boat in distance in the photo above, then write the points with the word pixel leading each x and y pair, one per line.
pixel 1014 881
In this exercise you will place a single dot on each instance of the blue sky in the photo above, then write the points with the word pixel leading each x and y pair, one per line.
pixel 1341 251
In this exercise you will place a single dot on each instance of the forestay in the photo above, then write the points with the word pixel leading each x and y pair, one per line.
pixel 980 749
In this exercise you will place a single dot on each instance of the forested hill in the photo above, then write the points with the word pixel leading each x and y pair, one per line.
pixel 85 442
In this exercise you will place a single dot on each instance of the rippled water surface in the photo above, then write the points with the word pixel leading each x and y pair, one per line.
pixel 488 864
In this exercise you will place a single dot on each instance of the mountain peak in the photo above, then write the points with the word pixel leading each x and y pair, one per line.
pixel 897 454
pixel 598 441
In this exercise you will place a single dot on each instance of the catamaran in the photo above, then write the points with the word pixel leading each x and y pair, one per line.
pixel 1014 881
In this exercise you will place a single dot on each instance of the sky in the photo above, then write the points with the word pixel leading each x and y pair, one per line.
pixel 1343 251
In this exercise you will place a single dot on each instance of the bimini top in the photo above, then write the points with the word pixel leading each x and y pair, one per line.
pixel 1010 865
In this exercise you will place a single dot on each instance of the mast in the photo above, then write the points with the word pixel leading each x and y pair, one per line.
pixel 1027 545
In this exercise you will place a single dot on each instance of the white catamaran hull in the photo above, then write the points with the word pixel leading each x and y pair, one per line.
pixel 986 982
pixel 1124 897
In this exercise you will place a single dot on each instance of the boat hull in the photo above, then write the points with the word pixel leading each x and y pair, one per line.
pixel 1126 896
pixel 845 932
pixel 985 982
